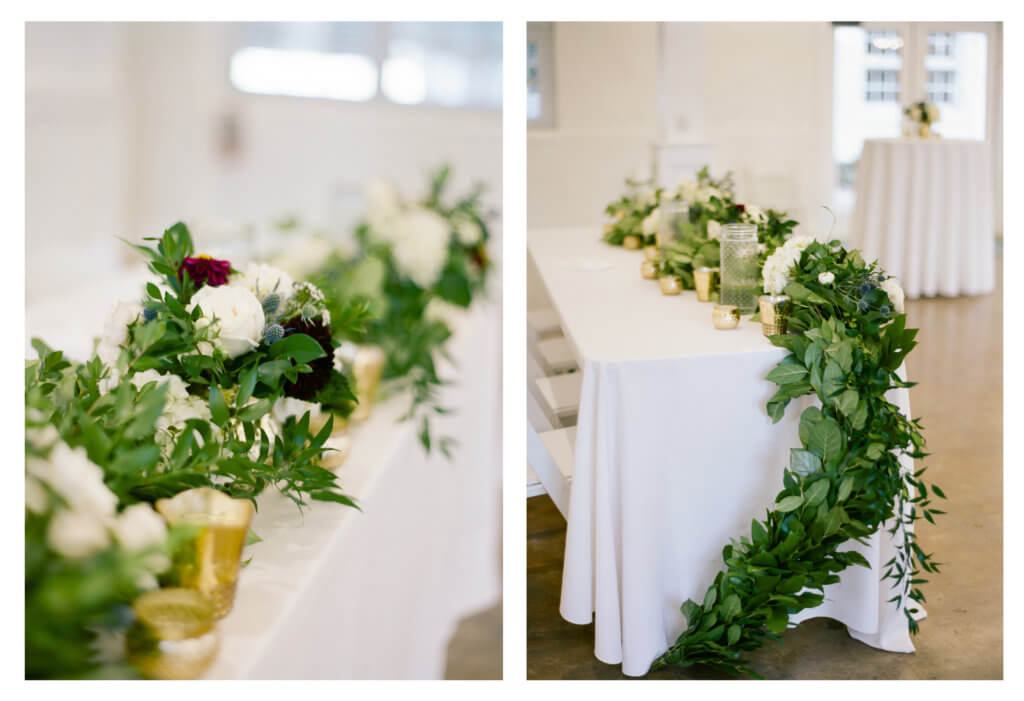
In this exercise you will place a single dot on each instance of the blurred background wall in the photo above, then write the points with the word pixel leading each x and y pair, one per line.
pixel 133 126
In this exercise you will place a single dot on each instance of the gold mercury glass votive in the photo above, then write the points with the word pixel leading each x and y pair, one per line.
pixel 649 270
pixel 173 634
pixel 652 253
pixel 705 279
pixel 209 561
pixel 670 284
pixel 725 316
pixel 774 310
pixel 365 363
pixel 924 130
pixel 632 242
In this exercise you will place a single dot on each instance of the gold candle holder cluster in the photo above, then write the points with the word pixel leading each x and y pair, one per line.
pixel 725 316
pixel 774 313
pixel 705 280
pixel 649 270
pixel 652 252
pixel 670 284
pixel 209 561
pixel 173 634
pixel 632 242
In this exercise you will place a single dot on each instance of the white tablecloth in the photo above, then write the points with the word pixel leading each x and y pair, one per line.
pixel 674 455
pixel 337 593
pixel 924 211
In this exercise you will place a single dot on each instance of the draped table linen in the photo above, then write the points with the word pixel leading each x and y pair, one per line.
pixel 674 456
pixel 924 210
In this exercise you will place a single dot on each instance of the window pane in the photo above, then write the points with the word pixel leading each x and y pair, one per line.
pixel 957 66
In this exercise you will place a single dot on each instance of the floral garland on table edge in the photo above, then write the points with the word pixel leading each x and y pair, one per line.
pixel 182 392
pixel 847 340
pixel 418 265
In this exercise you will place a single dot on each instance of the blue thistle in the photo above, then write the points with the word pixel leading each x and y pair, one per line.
pixel 271 302
pixel 866 287
pixel 885 309
pixel 862 306
pixel 273 334
pixel 149 313
pixel 309 311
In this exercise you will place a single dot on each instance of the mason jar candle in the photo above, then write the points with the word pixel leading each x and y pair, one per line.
pixel 740 270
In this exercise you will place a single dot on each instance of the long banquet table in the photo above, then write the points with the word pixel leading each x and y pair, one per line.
pixel 674 455
pixel 333 592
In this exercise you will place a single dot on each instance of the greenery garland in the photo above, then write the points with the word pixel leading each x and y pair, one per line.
pixel 847 339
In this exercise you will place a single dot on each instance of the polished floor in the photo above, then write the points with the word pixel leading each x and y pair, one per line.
pixel 959 365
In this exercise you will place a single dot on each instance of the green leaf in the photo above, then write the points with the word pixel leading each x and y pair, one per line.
pixel 817 492
pixel 710 598
pixel 218 407
pixel 246 384
pixel 810 416
pixel 938 491
pixel 778 621
pixel 847 402
pixel 804 462
pixel 256 410
pixel 758 535
pixel 845 487
pixel 298 347
pixel 788 504
pixel 826 440
pixel 734 634
pixel 792 585
pixel 731 607
pixel 786 373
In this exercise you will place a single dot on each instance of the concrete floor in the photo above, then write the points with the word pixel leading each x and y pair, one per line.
pixel 959 365
pixel 474 651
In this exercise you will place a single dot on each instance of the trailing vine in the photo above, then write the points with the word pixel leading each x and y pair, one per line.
pixel 847 339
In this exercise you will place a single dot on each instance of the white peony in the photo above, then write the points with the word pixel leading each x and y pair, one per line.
pixel 419 244
pixel 779 265
pixel 76 534
pixel 467 231
pixel 383 205
pixel 36 498
pixel 755 213
pixel 237 313
pixel 826 278
pixel 891 287
pixel 139 527
pixel 798 243
pixel 651 221
pixel 438 309
pixel 262 279
pixel 176 389
pixel 79 481
pixel 714 230
pixel 115 331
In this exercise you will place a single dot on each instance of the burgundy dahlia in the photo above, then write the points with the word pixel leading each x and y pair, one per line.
pixel 204 270
pixel 741 208
pixel 308 384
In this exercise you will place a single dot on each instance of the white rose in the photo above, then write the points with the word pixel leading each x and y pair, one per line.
pixel 826 278
pixel 714 230
pixel 420 245
pixel 798 243
pixel 36 498
pixel 467 231
pixel 139 527
pixel 754 212
pixel 75 478
pixel 891 287
pixel 382 204
pixel 238 314
pixel 176 389
pixel 115 331
pixel 438 309
pixel 262 279
pixel 76 534
pixel 650 222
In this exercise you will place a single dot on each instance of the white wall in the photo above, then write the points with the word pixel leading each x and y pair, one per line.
pixel 125 129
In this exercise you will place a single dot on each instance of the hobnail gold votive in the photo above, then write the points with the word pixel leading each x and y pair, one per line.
pixel 173 634
pixel 705 280
pixel 774 311
pixel 652 252
pixel 725 316
pixel 649 270
pixel 209 561
pixel 632 242
pixel 670 284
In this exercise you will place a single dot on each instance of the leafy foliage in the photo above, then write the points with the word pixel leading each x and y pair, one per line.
pixel 844 482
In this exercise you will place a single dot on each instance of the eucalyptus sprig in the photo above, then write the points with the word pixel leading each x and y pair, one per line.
pixel 843 483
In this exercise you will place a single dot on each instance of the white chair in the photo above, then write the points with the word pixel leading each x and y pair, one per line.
pixel 550 454
pixel 555 355
pixel 534 487
pixel 560 395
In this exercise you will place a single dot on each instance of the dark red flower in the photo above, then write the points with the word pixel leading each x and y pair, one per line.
pixel 741 208
pixel 479 255
pixel 308 384
pixel 204 270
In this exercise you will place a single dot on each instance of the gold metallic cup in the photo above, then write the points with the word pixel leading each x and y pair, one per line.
pixel 210 560
pixel 173 635
pixel 649 270
pixel 725 316
pixel 705 280
pixel 367 365
pixel 632 242
pixel 774 312
pixel 670 284
pixel 924 130
pixel 652 253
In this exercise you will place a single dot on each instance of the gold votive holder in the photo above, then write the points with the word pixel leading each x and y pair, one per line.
pixel 209 561
pixel 365 365
pixel 652 252
pixel 632 242
pixel 705 280
pixel 774 312
pixel 725 316
pixel 670 284
pixel 649 270
pixel 924 130
pixel 173 634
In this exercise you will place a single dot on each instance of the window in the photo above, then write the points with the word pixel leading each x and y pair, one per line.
pixel 449 64
pixel 884 43
pixel 540 84
pixel 941 86
pixel 882 85
pixel 941 44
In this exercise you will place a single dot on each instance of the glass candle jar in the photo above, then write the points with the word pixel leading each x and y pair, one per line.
pixel 674 216
pixel 740 271
pixel 173 635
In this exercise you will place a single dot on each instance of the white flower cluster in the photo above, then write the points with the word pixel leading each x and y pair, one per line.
pixel 651 222
pixel 467 230
pixel 237 315
pixel 115 335
pixel 179 405
pixel 84 519
pixel 891 287
pixel 263 280
pixel 438 309
pixel 692 192
pixel 779 265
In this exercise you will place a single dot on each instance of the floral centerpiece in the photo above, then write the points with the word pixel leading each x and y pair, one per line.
pixel 631 217
pixel 924 114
